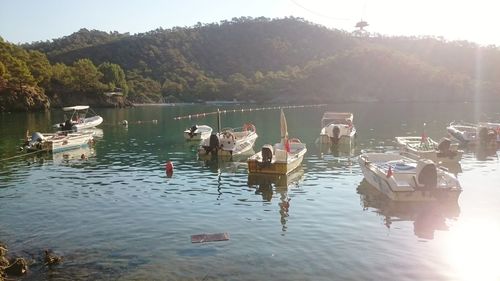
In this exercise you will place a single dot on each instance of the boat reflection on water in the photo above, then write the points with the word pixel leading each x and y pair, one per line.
pixel 267 185
pixel 454 168
pixel 80 154
pixel 228 164
pixel 66 157
pixel 484 153
pixel 427 217
pixel 341 149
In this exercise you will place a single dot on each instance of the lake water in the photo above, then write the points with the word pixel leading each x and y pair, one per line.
pixel 117 216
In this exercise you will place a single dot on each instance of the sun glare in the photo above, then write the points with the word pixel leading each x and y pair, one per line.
pixel 472 250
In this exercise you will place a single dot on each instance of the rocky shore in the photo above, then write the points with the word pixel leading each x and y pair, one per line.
pixel 18 266
pixel 34 99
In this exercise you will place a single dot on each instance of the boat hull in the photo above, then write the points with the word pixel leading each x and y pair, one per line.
pixel 57 142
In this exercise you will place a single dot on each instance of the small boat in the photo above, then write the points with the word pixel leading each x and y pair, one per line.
pixel 337 128
pixel 484 134
pixel 78 119
pixel 197 132
pixel 229 142
pixel 425 147
pixel 56 142
pixel 282 158
pixel 404 179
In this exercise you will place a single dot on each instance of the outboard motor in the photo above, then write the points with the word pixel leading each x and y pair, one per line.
pixel 426 174
pixel 68 125
pixel 444 145
pixel 482 133
pixel 444 149
pixel 36 137
pixel 192 131
pixel 335 135
pixel 267 154
pixel 213 144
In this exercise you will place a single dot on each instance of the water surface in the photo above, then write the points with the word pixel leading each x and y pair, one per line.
pixel 116 215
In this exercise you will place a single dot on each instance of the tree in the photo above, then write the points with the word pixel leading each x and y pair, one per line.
pixel 114 76
pixel 86 77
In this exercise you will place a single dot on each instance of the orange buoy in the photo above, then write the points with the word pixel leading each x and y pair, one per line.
pixel 169 167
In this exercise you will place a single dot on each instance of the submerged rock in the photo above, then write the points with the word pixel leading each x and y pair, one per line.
pixel 17 268
pixel 51 258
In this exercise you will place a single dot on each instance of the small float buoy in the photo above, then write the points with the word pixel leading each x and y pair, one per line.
pixel 169 168
pixel 125 123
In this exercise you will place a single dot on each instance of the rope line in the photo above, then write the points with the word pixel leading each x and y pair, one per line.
pixel 203 114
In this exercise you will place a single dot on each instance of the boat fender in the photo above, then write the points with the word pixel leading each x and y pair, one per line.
pixel 248 126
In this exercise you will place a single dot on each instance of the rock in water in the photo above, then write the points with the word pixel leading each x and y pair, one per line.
pixel 17 268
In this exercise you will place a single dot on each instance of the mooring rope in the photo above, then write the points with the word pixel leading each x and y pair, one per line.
pixel 23 155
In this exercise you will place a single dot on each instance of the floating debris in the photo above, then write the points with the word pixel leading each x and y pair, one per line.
pixel 200 238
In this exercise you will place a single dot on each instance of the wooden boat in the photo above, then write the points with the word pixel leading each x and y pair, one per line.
pixel 404 179
pixel 229 142
pixel 56 142
pixel 282 158
pixel 197 133
pixel 484 134
pixel 337 128
pixel 425 147
pixel 78 119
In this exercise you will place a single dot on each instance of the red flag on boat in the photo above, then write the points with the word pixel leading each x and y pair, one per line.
pixel 287 145
pixel 389 172
pixel 424 137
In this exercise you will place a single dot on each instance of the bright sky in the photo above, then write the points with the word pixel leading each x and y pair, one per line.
pixel 34 20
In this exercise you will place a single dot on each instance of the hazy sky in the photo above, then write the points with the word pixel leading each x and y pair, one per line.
pixel 33 20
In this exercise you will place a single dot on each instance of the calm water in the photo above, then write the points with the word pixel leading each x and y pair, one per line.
pixel 116 215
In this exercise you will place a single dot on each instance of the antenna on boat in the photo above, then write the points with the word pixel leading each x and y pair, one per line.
pixel 218 120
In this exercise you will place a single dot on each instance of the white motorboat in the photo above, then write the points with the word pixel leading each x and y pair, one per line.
pixel 404 179
pixel 197 132
pixel 425 147
pixel 229 142
pixel 56 142
pixel 337 128
pixel 485 134
pixel 77 119
pixel 282 158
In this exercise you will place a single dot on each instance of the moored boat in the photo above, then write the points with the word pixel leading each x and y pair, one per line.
pixel 56 142
pixel 485 134
pixel 425 147
pixel 337 128
pixel 229 142
pixel 197 132
pixel 404 179
pixel 281 158
pixel 77 119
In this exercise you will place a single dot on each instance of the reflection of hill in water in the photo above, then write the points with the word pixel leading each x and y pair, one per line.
pixel 427 217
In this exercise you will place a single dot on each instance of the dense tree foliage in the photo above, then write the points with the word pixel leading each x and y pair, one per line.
pixel 281 60
pixel 29 81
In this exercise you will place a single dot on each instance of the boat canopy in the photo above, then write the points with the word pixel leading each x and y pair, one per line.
pixel 338 117
pixel 76 107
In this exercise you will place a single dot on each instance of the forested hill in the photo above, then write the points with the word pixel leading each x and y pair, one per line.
pixel 285 60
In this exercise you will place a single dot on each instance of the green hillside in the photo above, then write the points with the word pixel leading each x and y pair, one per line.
pixel 259 59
